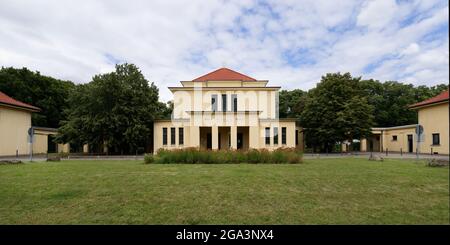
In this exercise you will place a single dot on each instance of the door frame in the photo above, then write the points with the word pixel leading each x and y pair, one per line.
pixel 410 143
pixel 240 141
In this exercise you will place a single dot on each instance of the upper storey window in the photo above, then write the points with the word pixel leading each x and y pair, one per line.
pixel 214 102
pixel 234 102
pixel 224 102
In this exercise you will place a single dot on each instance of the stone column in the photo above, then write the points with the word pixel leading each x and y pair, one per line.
pixel 194 135
pixel 85 148
pixel 233 137
pixel 253 137
pixel 215 137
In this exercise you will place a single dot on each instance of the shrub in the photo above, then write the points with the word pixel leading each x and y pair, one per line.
pixel 239 156
pixel 278 156
pixel 148 158
pixel 194 155
pixel 4 162
pixel 265 156
pixel 437 162
pixel 56 158
pixel 292 155
pixel 63 154
pixel 254 156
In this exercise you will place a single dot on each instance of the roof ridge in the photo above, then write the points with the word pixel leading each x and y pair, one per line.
pixel 212 76
pixel 238 73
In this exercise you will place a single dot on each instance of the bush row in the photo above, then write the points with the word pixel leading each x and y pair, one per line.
pixel 193 155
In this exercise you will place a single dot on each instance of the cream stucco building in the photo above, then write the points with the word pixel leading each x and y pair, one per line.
pixel 225 109
pixel 15 120
pixel 433 122
pixel 394 139
pixel 15 125
pixel 433 116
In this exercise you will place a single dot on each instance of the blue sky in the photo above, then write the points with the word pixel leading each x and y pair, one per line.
pixel 289 43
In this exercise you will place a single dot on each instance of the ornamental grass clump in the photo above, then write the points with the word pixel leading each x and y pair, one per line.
pixel 148 158
pixel 254 156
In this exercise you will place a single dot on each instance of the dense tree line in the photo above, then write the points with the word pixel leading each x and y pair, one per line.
pixel 45 92
pixel 391 100
pixel 342 107
pixel 115 110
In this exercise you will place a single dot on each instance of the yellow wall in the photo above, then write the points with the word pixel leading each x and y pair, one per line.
pixel 65 148
pixel 248 100
pixel 254 139
pixel 435 119
pixel 40 140
pixel 14 125
pixel 40 144
pixel 363 145
pixel 401 144
pixel 256 110
pixel 386 140
pixel 158 135
pixel 290 134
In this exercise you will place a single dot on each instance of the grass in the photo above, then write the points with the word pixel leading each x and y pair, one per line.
pixel 319 191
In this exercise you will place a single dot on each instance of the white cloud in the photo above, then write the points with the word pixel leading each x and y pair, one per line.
pixel 411 49
pixel 377 14
pixel 291 43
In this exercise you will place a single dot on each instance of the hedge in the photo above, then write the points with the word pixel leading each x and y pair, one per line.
pixel 194 155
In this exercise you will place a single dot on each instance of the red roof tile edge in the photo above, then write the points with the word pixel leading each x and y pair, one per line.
pixel 5 99
pixel 444 96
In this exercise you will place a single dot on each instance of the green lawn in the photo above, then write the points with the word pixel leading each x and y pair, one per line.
pixel 320 191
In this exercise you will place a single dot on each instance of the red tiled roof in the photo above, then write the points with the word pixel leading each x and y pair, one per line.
pixel 5 99
pixel 439 98
pixel 224 74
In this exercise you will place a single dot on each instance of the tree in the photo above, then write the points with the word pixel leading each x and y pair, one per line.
pixel 166 109
pixel 45 92
pixel 335 111
pixel 291 103
pixel 391 100
pixel 116 109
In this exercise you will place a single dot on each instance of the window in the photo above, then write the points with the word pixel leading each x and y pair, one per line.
pixel 180 136
pixel 234 102
pixel 436 140
pixel 164 136
pixel 267 136
pixel 214 102
pixel 275 135
pixel 394 137
pixel 296 137
pixel 283 135
pixel 172 136
pixel 224 102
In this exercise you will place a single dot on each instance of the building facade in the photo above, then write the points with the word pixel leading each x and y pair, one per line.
pixel 225 110
pixel 15 121
pixel 433 116
pixel 395 139
pixel 433 124
pixel 15 126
